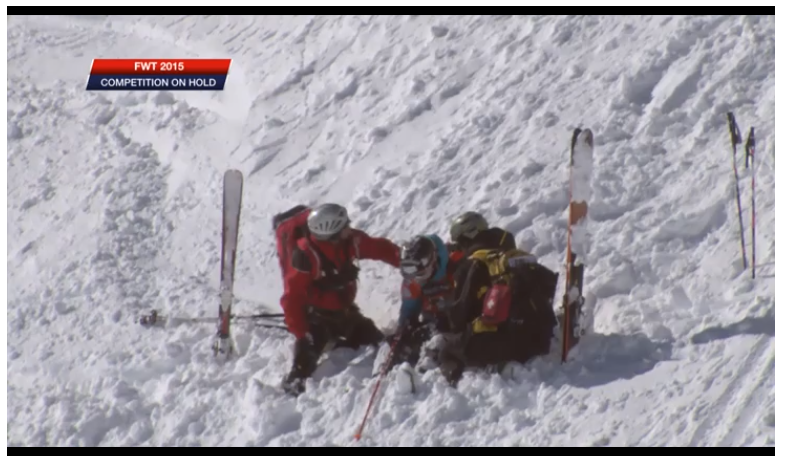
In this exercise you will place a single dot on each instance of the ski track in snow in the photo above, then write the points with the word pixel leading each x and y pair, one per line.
pixel 114 208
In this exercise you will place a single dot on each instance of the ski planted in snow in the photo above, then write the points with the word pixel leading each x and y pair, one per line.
pixel 232 202
pixel 578 242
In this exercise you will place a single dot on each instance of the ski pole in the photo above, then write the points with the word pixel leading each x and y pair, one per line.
pixel 154 318
pixel 386 369
pixel 260 316
pixel 750 162
pixel 735 139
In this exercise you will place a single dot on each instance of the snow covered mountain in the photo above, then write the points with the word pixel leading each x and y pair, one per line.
pixel 114 209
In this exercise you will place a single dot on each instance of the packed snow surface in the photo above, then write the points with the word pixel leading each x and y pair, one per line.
pixel 114 209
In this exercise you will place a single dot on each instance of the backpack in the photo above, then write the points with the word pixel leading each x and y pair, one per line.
pixel 521 289
pixel 292 225
pixel 289 227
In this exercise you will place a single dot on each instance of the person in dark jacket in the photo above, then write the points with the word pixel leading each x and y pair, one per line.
pixel 528 331
pixel 470 230
pixel 469 233
pixel 320 286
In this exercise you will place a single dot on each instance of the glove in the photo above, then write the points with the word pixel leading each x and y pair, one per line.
pixel 478 326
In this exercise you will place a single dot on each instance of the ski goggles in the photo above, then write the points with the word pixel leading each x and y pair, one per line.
pixel 417 270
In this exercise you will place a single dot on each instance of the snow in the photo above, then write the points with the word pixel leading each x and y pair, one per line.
pixel 114 209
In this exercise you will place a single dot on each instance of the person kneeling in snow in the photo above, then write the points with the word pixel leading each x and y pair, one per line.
pixel 317 250
pixel 502 303
pixel 427 268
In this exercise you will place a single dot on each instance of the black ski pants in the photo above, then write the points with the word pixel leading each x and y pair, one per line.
pixel 510 343
pixel 332 329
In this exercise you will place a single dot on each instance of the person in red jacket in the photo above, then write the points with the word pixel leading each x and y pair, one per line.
pixel 320 286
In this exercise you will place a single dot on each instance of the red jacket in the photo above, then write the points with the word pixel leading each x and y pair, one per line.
pixel 300 289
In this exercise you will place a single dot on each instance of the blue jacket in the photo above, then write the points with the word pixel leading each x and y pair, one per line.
pixel 431 295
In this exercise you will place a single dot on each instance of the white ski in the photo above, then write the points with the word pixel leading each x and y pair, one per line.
pixel 578 241
pixel 232 202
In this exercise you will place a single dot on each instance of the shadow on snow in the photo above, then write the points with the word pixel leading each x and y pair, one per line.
pixel 600 359
pixel 749 326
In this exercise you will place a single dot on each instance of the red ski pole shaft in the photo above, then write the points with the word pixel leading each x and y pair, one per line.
pixel 387 363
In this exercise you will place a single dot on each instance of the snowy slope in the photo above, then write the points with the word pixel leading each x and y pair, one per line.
pixel 114 208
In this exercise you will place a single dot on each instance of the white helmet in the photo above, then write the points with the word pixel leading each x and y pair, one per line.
pixel 327 220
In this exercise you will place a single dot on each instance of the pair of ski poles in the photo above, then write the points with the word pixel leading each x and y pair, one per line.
pixel 749 162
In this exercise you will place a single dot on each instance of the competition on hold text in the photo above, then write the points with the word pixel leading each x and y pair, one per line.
pixel 158 82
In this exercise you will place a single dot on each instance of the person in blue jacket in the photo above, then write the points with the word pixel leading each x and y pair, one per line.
pixel 427 267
